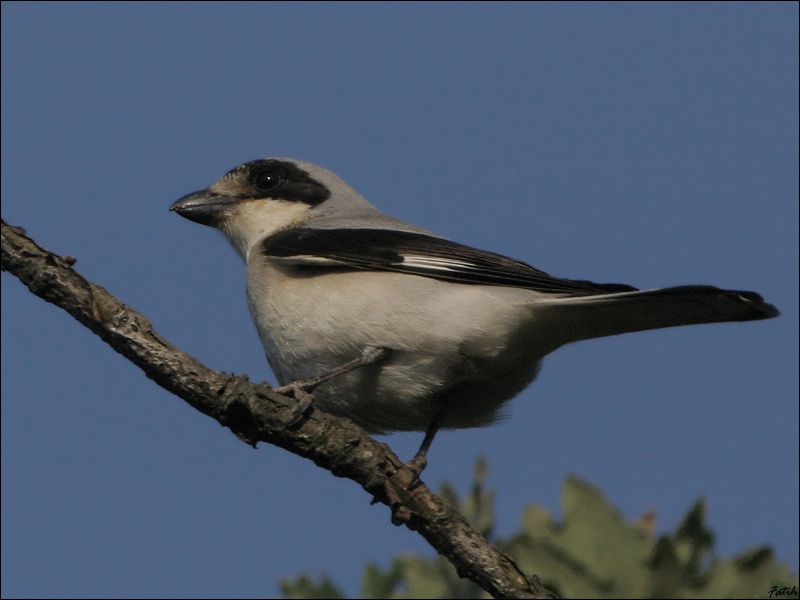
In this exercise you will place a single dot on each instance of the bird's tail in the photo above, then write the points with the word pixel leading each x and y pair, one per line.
pixel 593 316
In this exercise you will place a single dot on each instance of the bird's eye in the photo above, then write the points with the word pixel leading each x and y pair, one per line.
pixel 267 180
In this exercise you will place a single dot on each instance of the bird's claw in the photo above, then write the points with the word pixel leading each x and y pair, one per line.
pixel 304 401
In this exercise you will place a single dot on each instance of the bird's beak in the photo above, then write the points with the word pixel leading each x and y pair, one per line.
pixel 204 207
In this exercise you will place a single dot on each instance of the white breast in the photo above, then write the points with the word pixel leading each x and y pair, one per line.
pixel 473 347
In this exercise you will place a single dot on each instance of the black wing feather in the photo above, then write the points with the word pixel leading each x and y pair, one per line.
pixel 418 253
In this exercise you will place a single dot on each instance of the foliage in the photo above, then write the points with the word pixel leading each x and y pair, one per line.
pixel 305 587
pixel 593 553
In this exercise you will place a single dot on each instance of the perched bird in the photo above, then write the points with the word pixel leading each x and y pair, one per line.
pixel 400 329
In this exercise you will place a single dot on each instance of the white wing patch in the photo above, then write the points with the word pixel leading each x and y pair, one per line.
pixel 308 260
pixel 435 262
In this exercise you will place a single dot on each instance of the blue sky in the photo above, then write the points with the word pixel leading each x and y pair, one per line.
pixel 648 144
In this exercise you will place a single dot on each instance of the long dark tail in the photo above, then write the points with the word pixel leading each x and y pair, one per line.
pixel 587 317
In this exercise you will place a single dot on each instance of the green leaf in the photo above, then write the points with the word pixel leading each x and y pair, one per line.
pixel 305 587
pixel 593 553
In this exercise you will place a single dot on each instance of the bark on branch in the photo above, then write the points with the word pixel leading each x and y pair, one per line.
pixel 255 413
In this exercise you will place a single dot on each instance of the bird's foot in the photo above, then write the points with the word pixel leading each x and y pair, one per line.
pixel 299 390
pixel 417 466
pixel 302 391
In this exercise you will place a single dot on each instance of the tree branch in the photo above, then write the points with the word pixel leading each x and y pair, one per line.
pixel 256 413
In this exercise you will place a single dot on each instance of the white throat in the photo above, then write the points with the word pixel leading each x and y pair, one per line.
pixel 250 221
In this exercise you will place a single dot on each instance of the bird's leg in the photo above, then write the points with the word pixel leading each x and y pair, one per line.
pixel 302 390
pixel 420 461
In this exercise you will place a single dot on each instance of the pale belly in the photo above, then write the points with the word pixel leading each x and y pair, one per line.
pixel 463 349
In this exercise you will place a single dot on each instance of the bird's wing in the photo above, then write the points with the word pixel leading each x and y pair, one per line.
pixel 418 254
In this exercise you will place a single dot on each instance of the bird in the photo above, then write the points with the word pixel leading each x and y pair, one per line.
pixel 371 318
